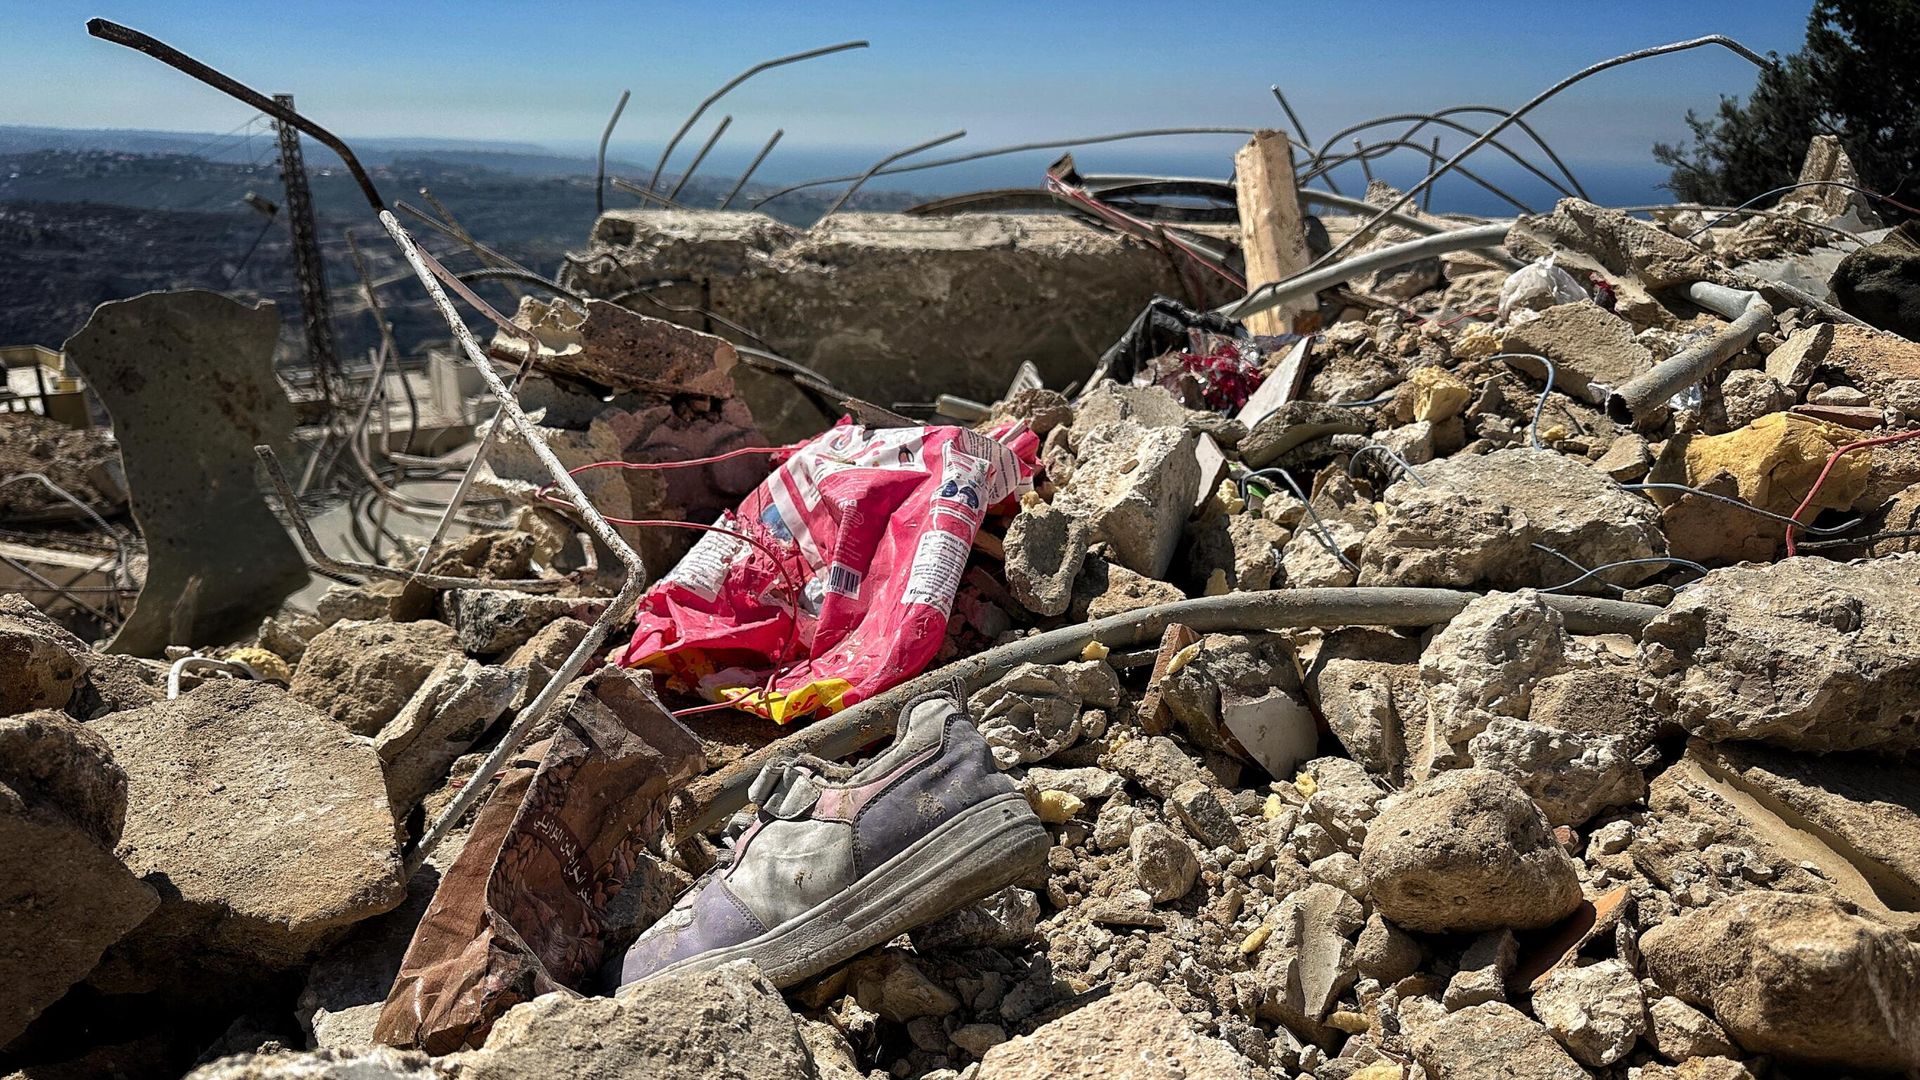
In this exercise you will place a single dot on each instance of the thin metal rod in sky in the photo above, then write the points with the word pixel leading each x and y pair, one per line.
pixel 884 162
pixel 600 172
pixel 1054 144
pixel 654 181
pixel 1413 192
pixel 758 158
pixel 1299 128
pixel 700 157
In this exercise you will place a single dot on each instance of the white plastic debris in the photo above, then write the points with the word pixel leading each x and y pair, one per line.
pixel 1537 286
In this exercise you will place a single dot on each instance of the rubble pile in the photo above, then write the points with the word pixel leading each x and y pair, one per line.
pixel 1615 778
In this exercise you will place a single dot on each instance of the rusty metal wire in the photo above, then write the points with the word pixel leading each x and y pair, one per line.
pixel 725 122
pixel 600 169
pixel 772 140
pixel 1413 192
pixel 764 65
pixel 1368 151
pixel 861 180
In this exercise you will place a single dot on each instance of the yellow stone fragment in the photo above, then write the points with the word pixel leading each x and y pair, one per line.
pixel 1380 1070
pixel 1306 785
pixel 1272 808
pixel 1253 942
pixel 1775 459
pixel 1229 496
pixel 1353 1023
pixel 1438 394
pixel 267 665
pixel 1554 433
pixel 1217 583
pixel 1057 807
pixel 1478 341
pixel 1094 651
pixel 1183 657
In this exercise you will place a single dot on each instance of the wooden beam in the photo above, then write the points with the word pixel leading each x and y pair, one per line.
pixel 1271 238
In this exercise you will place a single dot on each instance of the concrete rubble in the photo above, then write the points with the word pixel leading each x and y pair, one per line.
pixel 1586 777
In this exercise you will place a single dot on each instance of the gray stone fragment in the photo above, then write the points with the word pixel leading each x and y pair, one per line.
pixel 456 704
pixel 41 663
pixel 66 898
pixel 1597 1012
pixel 1477 518
pixel 1385 953
pixel 1308 962
pixel 1035 711
pixel 491 621
pixel 1747 395
pixel 1157 764
pixel 1088 784
pixel 1135 486
pixel 1132 1034
pixel 1805 653
pixel 1045 548
pixel 1483 971
pixel 338 1063
pixel 1200 809
pixel 1004 920
pixel 1679 1031
pixel 1164 865
pixel 1491 1041
pixel 1467 851
pixel 1571 776
pixel 363 673
pixel 188 379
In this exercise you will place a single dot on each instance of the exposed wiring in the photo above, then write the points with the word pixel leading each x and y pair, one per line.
pixel 1386 451
pixel 1324 534
pixel 1828 530
pixel 1663 560
pixel 1820 481
pixel 1855 188
pixel 1533 426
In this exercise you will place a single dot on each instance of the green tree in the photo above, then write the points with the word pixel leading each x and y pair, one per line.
pixel 1857 78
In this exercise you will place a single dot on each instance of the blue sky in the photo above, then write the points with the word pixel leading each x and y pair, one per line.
pixel 549 72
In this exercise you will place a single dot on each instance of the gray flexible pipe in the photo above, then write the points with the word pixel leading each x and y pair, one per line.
pixel 1279 292
pixel 1640 395
pixel 711 799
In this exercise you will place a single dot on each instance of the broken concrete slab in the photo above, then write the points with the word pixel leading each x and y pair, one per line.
pixel 1034 711
pixel 41 663
pixel 188 379
pixel 66 897
pixel 265 825
pixel 1597 1011
pixel 1491 1041
pixel 886 306
pixel 1581 236
pixel 1804 653
pixel 1796 977
pixel 1476 520
pixel 1481 666
pixel 1467 851
pixel 488 622
pixel 1309 961
pixel 1592 349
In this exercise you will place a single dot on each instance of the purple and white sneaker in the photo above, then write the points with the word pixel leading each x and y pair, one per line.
pixel 839 860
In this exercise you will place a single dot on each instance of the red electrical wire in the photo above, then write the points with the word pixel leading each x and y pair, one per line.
pixel 745 451
pixel 1831 458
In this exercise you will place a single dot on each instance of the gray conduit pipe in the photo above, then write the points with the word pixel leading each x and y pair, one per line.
pixel 1423 226
pixel 1279 292
pixel 709 800
pixel 1640 396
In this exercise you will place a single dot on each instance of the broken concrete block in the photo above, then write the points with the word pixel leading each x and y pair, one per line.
pixel 623 351
pixel 1484 969
pixel 1309 961
pixel 1603 238
pixel 1034 711
pixel 1106 588
pixel 1198 806
pixel 1385 953
pixel 1004 920
pixel 1116 1038
pixel 1482 666
pixel 1045 548
pixel 488 622
pixel 1678 1031
pixel 1796 977
pixel 1748 395
pixel 1876 282
pixel 1157 764
pixel 1489 1041
pixel 1477 518
pixel 334 1063
pixel 1627 459
pixel 1164 865
pixel 1805 653
pixel 67 898
pixel 1571 776
pixel 1857 354
pixel 1439 395
pixel 41 664
pixel 267 823
pixel 1308 562
pixel 1294 425
pixel 542 656
pixel 1135 486
pixel 1467 851
pixel 456 704
pixel 1592 349
pixel 664 1029
pixel 188 379
pixel 1597 1012
pixel 363 673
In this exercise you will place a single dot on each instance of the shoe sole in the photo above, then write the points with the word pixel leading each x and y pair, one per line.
pixel 981 850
